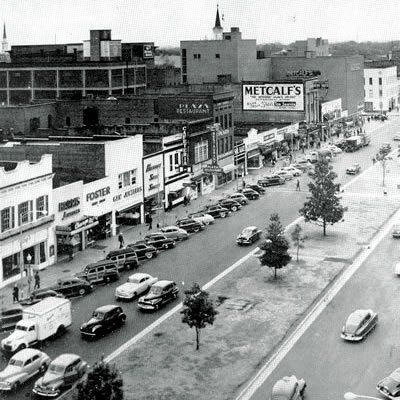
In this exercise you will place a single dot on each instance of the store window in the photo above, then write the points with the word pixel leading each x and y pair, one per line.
pixel 230 120
pixel 171 164
pixel 201 151
pixel 7 219
pixel 42 206
pixel 127 178
pixel 120 181
pixel 42 252
pixel 133 176
pixel 11 266
pixel 25 212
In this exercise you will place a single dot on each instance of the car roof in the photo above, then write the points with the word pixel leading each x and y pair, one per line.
pixel 163 283
pixel 11 308
pixel 106 308
pixel 357 316
pixel 169 227
pixel 26 353
pixel 284 387
pixel 138 275
pixel 250 227
pixel 65 359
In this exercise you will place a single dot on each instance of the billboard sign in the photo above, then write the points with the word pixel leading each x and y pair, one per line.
pixel 273 96
pixel 148 51
pixel 185 108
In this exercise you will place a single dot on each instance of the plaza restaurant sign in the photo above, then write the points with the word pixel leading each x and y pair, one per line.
pixel 273 96
pixel 185 108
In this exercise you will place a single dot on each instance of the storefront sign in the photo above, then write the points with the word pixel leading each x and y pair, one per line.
pixel 303 73
pixel 191 108
pixel 214 154
pixel 128 193
pixel 153 186
pixel 269 137
pixel 241 148
pixel 185 159
pixel 98 193
pixel 273 97
pixel 213 169
pixel 331 106
pixel 148 51
pixel 65 205
pixel 82 223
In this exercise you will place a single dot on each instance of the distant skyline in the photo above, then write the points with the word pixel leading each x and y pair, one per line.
pixel 166 23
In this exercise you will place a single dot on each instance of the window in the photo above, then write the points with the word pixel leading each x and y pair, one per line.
pixel 127 178
pixel 380 81
pixel 196 56
pixel 42 252
pixel 217 56
pixel 371 93
pixel 7 219
pixel 226 121
pixel 25 212
pixel 171 163
pixel 176 159
pixel 380 93
pixel 370 81
pixel 120 181
pixel 133 177
pixel 68 121
pixel 201 151
pixel 42 206
pixel 230 121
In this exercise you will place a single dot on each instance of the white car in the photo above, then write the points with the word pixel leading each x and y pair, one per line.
pixel 396 137
pixel 334 149
pixel 137 284
pixel 287 176
pixel 174 232
pixel 396 231
pixel 294 171
pixel 203 218
pixel 21 367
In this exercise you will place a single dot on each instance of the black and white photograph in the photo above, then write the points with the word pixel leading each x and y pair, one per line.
pixel 199 200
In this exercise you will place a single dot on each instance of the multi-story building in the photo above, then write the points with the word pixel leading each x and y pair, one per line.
pixel 381 87
pixel 311 47
pixel 26 217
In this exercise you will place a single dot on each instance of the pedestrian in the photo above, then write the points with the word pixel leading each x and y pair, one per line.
pixel 185 201
pixel 150 220
pixel 244 183
pixel 15 293
pixel 37 280
pixel 70 252
pixel 121 241
pixel 298 185
pixel 373 160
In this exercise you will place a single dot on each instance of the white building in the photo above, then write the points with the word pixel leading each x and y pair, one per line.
pixel 26 218
pixel 381 88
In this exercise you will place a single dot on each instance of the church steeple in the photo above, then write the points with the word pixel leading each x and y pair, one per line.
pixel 217 30
pixel 4 42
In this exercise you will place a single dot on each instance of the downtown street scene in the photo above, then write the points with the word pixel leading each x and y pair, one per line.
pixel 197 205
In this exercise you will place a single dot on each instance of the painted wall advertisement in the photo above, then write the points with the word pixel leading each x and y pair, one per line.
pixel 153 175
pixel 185 108
pixel 274 96
pixel 333 107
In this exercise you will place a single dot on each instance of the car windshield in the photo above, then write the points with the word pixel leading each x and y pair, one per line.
pixel 353 322
pixel 247 231
pixel 21 328
pixel 56 368
pixel 16 363
pixel 155 290
pixel 98 315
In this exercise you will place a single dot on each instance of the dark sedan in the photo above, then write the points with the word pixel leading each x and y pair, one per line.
pixel 271 180
pixel 159 241
pixel 72 287
pixel 249 235
pixel 143 250
pixel 230 204
pixel 189 225
pixel 251 194
pixel 38 295
pixel 217 211
pixel 359 324
pixel 257 188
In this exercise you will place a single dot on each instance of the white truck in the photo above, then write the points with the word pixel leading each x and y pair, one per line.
pixel 49 317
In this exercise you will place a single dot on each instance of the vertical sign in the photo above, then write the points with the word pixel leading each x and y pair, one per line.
pixel 185 160
pixel 214 160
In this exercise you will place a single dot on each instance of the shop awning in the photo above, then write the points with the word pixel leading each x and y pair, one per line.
pixel 78 226
pixel 229 168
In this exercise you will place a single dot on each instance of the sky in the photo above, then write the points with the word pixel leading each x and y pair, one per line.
pixel 167 22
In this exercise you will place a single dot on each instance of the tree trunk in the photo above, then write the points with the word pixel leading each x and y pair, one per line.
pixel 274 273
pixel 297 255
pixel 324 224
pixel 197 338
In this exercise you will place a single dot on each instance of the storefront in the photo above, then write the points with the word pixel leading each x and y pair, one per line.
pixel 153 182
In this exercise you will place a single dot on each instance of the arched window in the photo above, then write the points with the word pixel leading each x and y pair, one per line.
pixel 68 121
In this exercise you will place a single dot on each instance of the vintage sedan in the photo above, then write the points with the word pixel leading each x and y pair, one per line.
pixel 240 198
pixel 286 175
pixel 9 316
pixel 174 232
pixel 217 211
pixel 160 293
pixel 38 295
pixel 292 170
pixel 159 241
pixel 250 194
pixel 230 204
pixel 396 137
pixel 303 165
pixel 21 367
pixel 359 324
pixel 354 169
pixel 204 218
pixel 136 285
pixel 390 386
pixel 63 372
pixel 288 388
pixel 190 225
pixel 143 250
pixel 335 149
pixel 396 231
pixel 104 320
pixel 271 180
pixel 249 235
pixel 72 286
pixel 257 188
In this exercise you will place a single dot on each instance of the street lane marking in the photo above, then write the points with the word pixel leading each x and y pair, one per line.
pixel 263 374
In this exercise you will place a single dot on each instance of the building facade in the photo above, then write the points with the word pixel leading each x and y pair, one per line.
pixel 27 218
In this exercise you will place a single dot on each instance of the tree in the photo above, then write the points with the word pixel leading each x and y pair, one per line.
pixel 298 239
pixel 323 206
pixel 275 248
pixel 199 310
pixel 103 382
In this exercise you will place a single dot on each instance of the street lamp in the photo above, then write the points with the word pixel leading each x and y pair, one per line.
pixel 29 259
pixel 352 396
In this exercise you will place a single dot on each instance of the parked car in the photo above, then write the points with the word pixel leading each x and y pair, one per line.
pixel 335 149
pixel 257 188
pixel 396 231
pixel 359 324
pixel 385 148
pixel 396 137
pixel 231 205
pixel 271 180
pixel 390 386
pixel 63 372
pixel 38 295
pixel 125 259
pixel 217 211
pixel 303 165
pixel 240 198
pixel 288 388
pixel 159 241
pixel 189 225
pixel 174 232
pixel 104 320
pixel 104 271
pixel 397 268
pixel 136 285
pixel 292 170
pixel 248 235
pixel 284 174
pixel 159 294
pixel 21 367
pixel 353 169
pixel 250 194
pixel 9 316
pixel 72 286
pixel 143 250
pixel 204 218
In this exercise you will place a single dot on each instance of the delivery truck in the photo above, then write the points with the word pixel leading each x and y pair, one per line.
pixel 49 317
pixel 353 143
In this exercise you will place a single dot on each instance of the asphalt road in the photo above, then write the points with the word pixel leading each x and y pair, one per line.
pixel 199 259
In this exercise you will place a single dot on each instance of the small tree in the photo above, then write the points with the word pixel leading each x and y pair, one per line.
pixel 298 239
pixel 199 310
pixel 275 247
pixel 323 206
pixel 103 382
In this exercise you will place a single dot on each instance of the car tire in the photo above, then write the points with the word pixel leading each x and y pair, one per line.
pixel 234 208
pixel 60 330
pixel 106 279
pixel 21 347
pixel 165 246
pixel 223 215
pixel 149 255
pixel 43 368
pixel 15 387
pixel 82 292
pixel 196 230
